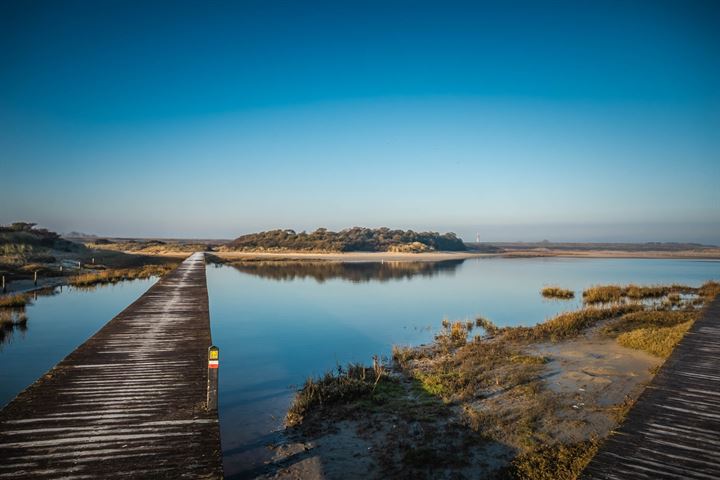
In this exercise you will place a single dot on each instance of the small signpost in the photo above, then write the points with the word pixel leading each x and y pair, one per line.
pixel 212 387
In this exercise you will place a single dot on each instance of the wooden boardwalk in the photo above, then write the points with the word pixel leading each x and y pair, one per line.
pixel 673 431
pixel 129 402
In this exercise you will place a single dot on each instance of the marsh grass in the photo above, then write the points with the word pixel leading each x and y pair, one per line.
pixel 656 341
pixel 647 319
pixel 10 319
pixel 453 335
pixel 348 384
pixel 119 275
pixel 617 293
pixel 15 316
pixel 552 462
pixel 709 290
pixel 14 300
pixel 486 324
pixel 658 331
pixel 557 293
pixel 493 387
pixel 568 324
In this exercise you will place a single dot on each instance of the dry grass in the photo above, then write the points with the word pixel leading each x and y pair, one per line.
pixel 9 317
pixel 14 300
pixel 648 319
pixel 657 331
pixel 656 341
pixel 487 325
pixel 557 293
pixel 552 462
pixel 567 325
pixel 346 385
pixel 617 293
pixel 709 290
pixel 119 275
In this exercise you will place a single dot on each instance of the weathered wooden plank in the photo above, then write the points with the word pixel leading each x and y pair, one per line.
pixel 673 430
pixel 129 402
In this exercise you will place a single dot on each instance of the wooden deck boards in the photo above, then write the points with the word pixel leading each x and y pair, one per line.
pixel 129 402
pixel 673 430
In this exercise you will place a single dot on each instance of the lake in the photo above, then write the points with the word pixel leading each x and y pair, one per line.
pixel 276 324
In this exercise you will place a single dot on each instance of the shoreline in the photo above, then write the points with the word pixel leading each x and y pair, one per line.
pixel 515 402
pixel 442 256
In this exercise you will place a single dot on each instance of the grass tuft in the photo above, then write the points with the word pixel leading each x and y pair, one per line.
pixel 557 293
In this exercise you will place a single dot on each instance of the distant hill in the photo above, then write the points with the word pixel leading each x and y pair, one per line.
pixel 355 239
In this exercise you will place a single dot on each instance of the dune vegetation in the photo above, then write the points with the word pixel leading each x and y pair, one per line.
pixel 356 239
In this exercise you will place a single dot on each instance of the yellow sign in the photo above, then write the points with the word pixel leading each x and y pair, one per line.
pixel 213 354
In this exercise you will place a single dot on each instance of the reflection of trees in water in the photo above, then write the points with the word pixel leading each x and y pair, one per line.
pixel 356 272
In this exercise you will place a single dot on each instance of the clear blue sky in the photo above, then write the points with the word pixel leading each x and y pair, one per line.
pixel 569 120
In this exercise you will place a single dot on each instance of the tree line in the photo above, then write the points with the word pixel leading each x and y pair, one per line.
pixel 357 239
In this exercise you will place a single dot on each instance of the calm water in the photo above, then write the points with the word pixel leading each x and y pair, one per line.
pixel 56 326
pixel 275 325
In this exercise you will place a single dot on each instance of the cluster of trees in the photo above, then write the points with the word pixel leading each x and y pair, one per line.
pixel 348 240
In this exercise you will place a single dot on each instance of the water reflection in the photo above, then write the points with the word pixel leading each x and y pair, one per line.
pixel 15 319
pixel 355 272
pixel 11 320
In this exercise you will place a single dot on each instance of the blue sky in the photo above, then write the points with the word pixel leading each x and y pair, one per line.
pixel 576 120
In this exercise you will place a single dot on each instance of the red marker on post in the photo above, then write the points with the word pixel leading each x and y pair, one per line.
pixel 212 388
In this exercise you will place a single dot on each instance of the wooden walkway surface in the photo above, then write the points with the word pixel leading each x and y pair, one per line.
pixel 129 402
pixel 673 430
